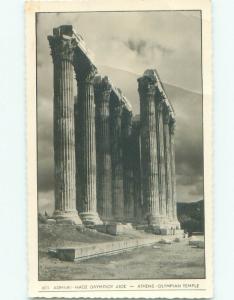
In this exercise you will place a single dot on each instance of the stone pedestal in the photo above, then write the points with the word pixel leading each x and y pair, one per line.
pixel 146 90
pixel 64 138
pixel 118 229
pixel 104 173
pixel 85 73
pixel 117 160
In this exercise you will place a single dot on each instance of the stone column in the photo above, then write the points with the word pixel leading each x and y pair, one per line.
pixel 117 160
pixel 146 90
pixel 167 155
pixel 85 73
pixel 104 196
pixel 64 138
pixel 128 166
pixel 136 154
pixel 173 174
pixel 159 103
pixel 77 149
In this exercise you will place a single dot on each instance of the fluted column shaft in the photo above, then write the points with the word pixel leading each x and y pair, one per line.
pixel 167 154
pixel 117 163
pixel 104 196
pixel 128 166
pixel 136 154
pixel 173 173
pixel 77 150
pixel 87 157
pixel 64 138
pixel 149 150
pixel 160 148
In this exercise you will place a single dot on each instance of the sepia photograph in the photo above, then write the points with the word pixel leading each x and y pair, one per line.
pixel 120 150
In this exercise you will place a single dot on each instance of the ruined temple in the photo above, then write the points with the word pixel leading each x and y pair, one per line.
pixel 110 167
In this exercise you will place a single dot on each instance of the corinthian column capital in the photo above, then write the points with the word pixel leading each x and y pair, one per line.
pixel 61 48
pixel 146 86
pixel 102 89
pixel 85 72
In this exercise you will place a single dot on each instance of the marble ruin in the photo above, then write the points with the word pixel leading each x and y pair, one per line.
pixel 110 167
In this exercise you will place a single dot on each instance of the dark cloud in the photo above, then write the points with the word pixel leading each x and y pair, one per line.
pixel 45 179
pixel 189 143
pixel 186 179
pixel 198 189
pixel 146 48
pixel 137 46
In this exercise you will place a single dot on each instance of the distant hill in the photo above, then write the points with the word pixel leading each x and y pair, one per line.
pixel 191 216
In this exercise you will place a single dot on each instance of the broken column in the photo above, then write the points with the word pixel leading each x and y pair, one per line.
pixel 85 73
pixel 104 182
pixel 117 157
pixel 146 88
pixel 128 165
pixel 62 50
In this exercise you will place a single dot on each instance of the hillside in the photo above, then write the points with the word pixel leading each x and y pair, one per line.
pixel 191 216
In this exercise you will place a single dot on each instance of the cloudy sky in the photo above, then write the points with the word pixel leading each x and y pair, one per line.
pixel 124 45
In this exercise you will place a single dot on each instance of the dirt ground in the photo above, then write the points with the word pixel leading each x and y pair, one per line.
pixel 167 261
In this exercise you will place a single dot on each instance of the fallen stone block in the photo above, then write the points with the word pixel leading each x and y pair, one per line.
pixel 165 241
pixel 53 253
pixel 51 221
pixel 166 231
pixel 96 250
pixel 101 228
pixel 141 227
pixel 118 228
pixel 201 244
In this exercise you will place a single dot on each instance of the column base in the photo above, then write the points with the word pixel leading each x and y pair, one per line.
pixel 90 218
pixel 156 221
pixel 115 228
pixel 163 225
pixel 67 217
pixel 173 224
pixel 162 222
pixel 177 224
